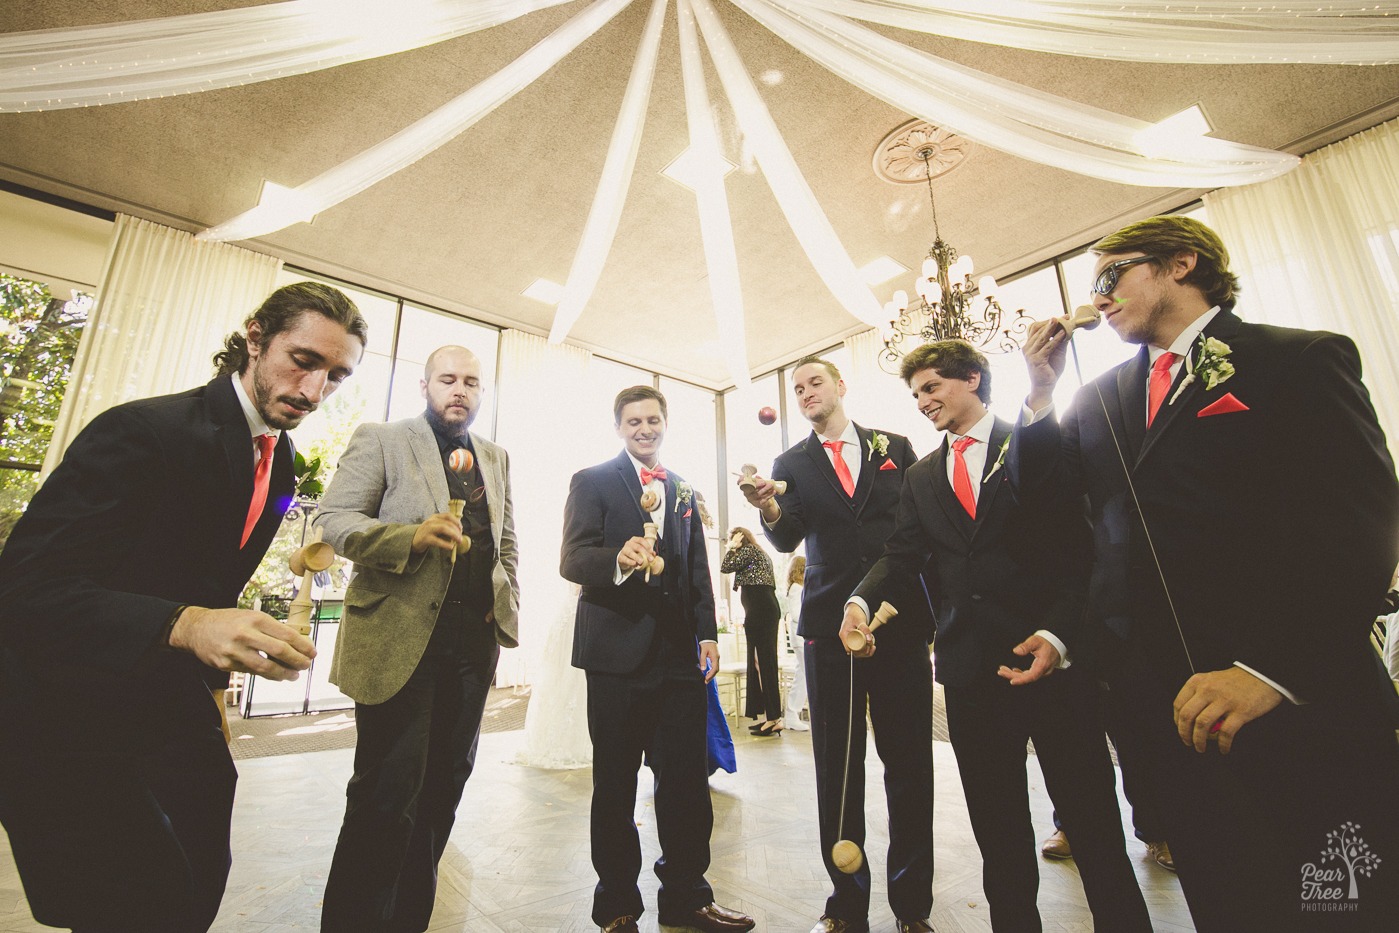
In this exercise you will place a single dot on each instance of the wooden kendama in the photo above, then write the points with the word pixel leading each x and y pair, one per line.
pixel 1085 317
pixel 649 531
pixel 460 461
pixel 845 854
pixel 307 561
pixel 748 478
pixel 855 639
pixel 458 509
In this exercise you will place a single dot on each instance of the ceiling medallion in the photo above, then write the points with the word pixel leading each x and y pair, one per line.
pixel 899 157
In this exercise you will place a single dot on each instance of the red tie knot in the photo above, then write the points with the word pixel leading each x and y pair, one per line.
pixel 266 443
pixel 962 443
pixel 648 475
pixel 1164 362
pixel 833 446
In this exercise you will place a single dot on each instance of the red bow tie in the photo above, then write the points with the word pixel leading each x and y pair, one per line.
pixel 648 475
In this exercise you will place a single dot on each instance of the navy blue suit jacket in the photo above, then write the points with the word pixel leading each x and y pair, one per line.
pixel 844 535
pixel 616 624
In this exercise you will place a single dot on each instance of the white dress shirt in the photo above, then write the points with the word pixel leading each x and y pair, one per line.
pixel 850 453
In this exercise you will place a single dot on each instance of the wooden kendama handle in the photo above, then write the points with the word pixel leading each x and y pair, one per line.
pixel 299 612
pixel 1085 317
pixel 649 531
pixel 457 507
pixel 855 639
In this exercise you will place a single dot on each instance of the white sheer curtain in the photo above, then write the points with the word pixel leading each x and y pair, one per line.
pixel 165 302
pixel 1319 248
pixel 875 399
pixel 541 390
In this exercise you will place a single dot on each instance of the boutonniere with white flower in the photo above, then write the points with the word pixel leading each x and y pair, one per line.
pixel 1212 366
pixel 1000 459
pixel 879 444
pixel 683 493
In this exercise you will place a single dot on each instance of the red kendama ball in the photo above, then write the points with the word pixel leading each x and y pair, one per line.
pixel 767 415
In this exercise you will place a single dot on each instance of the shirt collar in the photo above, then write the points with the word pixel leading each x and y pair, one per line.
pixel 1183 343
pixel 638 466
pixel 850 435
pixel 256 425
pixel 980 432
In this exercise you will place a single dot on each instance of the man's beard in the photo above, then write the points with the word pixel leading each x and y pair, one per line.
pixel 446 428
pixel 263 401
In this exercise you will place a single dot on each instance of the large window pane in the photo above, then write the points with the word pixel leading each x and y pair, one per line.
pixel 423 330
pixel 691 450
pixel 39 335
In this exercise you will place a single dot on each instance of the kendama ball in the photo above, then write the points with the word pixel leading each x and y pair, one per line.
pixel 767 415
pixel 847 856
pixel 461 460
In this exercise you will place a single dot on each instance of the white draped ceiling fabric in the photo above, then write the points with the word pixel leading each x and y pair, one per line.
pixel 118 62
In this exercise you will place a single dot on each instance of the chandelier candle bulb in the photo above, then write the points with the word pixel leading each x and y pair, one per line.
pixel 987 286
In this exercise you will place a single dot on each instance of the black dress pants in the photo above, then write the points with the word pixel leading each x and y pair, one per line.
pixel 760 617
pixel 659 711
pixel 414 754
pixel 896 685
pixel 989 722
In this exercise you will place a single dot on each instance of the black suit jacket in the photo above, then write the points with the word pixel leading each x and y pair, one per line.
pixel 1275 527
pixel 844 536
pixel 145 513
pixel 616 624
pixel 993 581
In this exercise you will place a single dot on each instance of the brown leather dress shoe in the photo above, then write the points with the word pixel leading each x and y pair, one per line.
pixel 1161 855
pixel 622 925
pixel 917 926
pixel 1057 846
pixel 712 919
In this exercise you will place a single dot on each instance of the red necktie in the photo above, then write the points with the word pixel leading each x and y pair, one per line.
pixel 1160 383
pixel 847 482
pixel 263 470
pixel 961 479
pixel 648 475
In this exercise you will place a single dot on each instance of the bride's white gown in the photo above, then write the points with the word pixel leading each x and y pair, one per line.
pixel 556 723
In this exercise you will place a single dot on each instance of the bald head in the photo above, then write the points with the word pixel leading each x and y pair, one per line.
pixel 451 385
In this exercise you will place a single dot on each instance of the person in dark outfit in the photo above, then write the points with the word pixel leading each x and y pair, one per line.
pixel 753 578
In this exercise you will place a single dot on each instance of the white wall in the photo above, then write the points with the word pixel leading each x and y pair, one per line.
pixel 60 247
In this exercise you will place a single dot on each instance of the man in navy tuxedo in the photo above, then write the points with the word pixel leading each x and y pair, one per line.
pixel 1008 582
pixel 1246 520
pixel 120 581
pixel 843 485
pixel 648 643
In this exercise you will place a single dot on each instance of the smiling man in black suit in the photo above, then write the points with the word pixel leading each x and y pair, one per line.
pixel 1246 520
pixel 1008 583
pixel 647 639
pixel 843 487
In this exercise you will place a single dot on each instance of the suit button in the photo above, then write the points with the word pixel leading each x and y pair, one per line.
pixel 864 560
pixel 976 597
pixel 434 605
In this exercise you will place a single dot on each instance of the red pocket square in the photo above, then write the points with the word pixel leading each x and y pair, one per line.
pixel 687 513
pixel 1222 406
pixel 888 465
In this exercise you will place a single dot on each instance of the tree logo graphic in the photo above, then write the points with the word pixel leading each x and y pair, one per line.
pixel 1351 858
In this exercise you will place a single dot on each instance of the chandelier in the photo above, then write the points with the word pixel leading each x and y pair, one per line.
pixel 947 307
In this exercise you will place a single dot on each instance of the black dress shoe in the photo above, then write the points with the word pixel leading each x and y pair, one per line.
pixel 915 926
pixel 622 925
pixel 711 919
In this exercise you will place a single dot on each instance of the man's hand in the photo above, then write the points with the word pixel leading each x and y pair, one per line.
pixel 634 555
pixel 709 659
pixel 243 640
pixel 1046 661
pixel 1218 704
pixel 1046 350
pixel 856 621
pixel 763 497
pixel 442 530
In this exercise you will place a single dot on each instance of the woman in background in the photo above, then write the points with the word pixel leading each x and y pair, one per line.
pixel 791 599
pixel 753 578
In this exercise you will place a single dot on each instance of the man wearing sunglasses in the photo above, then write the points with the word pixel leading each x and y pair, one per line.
pixel 420 638
pixel 1245 511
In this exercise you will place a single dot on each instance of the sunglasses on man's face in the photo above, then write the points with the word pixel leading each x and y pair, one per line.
pixel 1106 281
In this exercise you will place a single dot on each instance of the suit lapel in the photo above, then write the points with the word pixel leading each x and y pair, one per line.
pixel 990 485
pixel 493 476
pixel 1222 326
pixel 425 451
pixel 1129 418
pixel 631 484
pixel 231 430
pixel 822 458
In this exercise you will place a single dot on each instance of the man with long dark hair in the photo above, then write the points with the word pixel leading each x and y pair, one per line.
pixel 119 583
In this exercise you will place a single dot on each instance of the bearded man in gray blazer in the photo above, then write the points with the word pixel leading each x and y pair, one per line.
pixel 419 640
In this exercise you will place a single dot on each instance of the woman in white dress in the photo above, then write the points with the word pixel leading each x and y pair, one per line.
pixel 556 723
pixel 791 598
